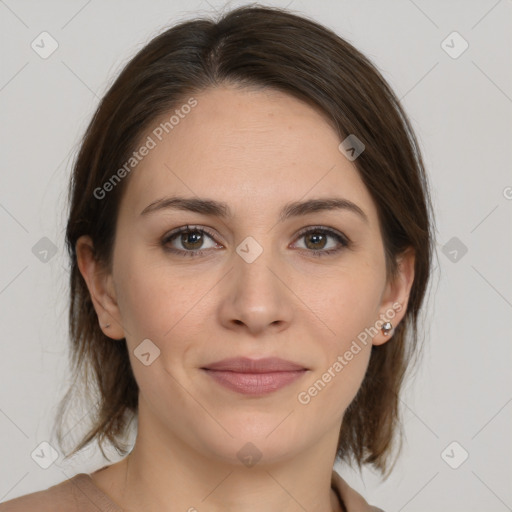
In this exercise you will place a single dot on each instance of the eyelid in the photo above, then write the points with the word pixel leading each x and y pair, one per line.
pixel 190 227
pixel 341 238
pixel 325 229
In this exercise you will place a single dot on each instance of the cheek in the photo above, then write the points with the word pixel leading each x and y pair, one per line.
pixel 153 298
pixel 347 301
pixel 154 307
pixel 349 307
pixel 160 303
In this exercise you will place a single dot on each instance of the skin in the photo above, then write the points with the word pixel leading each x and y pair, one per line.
pixel 256 151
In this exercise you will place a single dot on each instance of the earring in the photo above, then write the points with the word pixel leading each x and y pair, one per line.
pixel 107 326
pixel 387 328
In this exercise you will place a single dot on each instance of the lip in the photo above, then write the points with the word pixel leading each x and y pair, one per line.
pixel 254 376
pixel 248 365
pixel 254 383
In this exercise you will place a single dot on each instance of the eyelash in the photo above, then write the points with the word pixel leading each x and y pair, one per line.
pixel 341 239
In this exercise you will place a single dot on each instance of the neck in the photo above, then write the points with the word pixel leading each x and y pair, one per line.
pixel 163 473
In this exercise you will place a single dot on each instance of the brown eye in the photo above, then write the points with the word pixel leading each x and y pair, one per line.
pixel 317 241
pixel 191 240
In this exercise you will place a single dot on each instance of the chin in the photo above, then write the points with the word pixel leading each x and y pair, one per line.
pixel 263 445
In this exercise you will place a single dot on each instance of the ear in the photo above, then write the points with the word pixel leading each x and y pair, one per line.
pixel 396 296
pixel 101 288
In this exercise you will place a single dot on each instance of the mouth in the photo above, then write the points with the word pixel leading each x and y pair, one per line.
pixel 254 376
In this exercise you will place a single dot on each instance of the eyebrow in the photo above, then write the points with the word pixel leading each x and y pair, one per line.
pixel 222 210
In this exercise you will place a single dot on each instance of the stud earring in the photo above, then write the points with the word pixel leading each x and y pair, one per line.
pixel 387 328
pixel 107 326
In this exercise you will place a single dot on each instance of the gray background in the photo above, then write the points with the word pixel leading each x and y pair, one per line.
pixel 460 109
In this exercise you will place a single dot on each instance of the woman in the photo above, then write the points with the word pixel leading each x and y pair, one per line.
pixel 251 242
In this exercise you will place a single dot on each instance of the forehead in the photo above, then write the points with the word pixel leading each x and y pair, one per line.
pixel 253 149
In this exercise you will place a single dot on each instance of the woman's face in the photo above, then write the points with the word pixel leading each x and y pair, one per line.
pixel 258 287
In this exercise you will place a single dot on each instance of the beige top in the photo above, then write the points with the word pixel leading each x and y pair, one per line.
pixel 80 494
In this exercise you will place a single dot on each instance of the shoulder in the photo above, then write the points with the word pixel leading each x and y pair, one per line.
pixel 72 495
pixel 352 500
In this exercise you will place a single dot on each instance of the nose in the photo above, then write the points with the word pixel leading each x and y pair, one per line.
pixel 258 297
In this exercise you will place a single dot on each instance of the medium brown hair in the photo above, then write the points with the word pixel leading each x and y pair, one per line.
pixel 263 47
